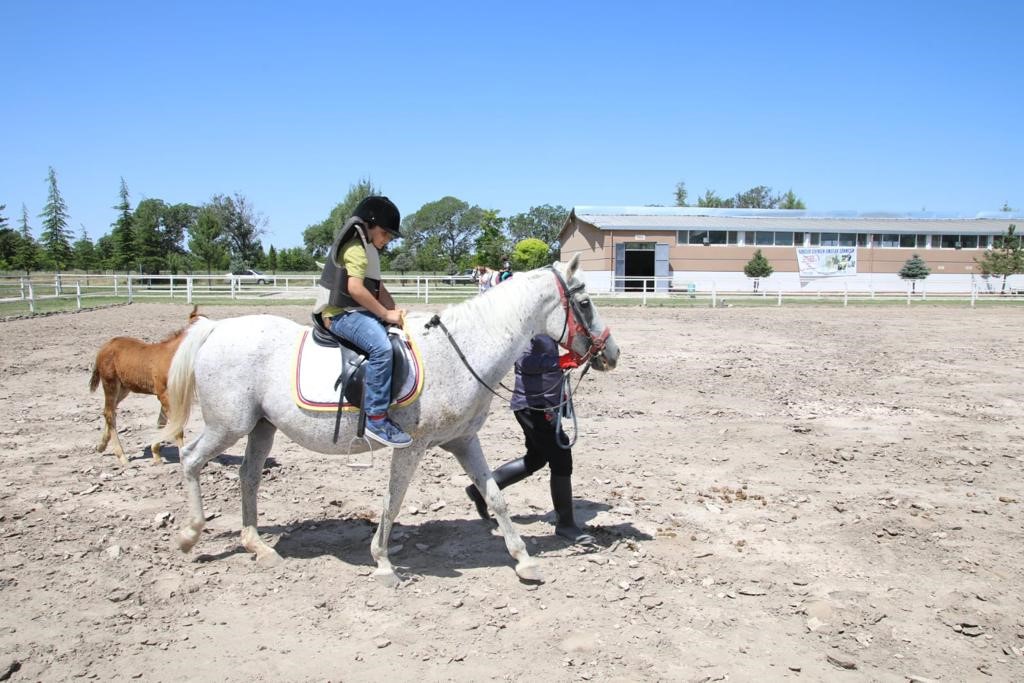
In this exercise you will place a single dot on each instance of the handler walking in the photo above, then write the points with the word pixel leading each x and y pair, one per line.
pixel 536 402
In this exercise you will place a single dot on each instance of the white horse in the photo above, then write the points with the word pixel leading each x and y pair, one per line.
pixel 240 369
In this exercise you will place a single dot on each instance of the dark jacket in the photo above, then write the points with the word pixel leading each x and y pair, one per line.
pixel 538 377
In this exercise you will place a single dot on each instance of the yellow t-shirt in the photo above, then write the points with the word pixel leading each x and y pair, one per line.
pixel 353 258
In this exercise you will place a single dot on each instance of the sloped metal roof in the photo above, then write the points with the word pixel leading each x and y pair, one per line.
pixel 689 217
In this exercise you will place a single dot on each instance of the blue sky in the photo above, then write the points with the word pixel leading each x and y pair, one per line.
pixel 896 106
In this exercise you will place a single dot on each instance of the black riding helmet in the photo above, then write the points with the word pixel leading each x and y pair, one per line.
pixel 380 211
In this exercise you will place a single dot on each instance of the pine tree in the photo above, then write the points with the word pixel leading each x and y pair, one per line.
pixel 27 255
pixel 122 234
pixel 85 253
pixel 56 237
pixel 1006 259
pixel 272 259
pixel 757 268
pixel 915 269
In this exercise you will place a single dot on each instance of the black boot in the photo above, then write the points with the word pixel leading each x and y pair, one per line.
pixel 565 520
pixel 511 472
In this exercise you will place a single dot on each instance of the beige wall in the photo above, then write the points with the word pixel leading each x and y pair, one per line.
pixel 597 252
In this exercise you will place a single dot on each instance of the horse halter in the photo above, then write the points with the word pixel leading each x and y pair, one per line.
pixel 573 326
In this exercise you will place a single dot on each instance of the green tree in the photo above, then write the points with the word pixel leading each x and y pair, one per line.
pixel 403 261
pixel 56 237
pixel 491 245
pixel 124 253
pixel 319 237
pixel 27 256
pixel 85 257
pixel 272 259
pixel 758 267
pixel 296 260
pixel 529 254
pixel 105 251
pixel 681 194
pixel 8 241
pixel 759 197
pixel 206 240
pixel 712 201
pixel 791 201
pixel 450 225
pixel 543 222
pixel 1006 259
pixel 148 229
pixel 915 269
pixel 242 228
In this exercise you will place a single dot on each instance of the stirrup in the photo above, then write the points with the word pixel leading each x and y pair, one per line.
pixel 356 465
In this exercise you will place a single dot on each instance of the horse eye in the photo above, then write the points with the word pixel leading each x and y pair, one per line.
pixel 584 302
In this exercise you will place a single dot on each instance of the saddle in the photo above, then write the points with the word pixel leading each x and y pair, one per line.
pixel 349 383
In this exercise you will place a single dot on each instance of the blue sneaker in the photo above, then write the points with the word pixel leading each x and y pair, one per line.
pixel 386 432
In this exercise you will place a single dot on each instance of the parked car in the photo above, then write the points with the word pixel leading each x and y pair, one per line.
pixel 247 276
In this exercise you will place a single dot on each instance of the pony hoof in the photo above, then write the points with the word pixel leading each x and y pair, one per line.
pixel 187 539
pixel 269 559
pixel 387 578
pixel 529 573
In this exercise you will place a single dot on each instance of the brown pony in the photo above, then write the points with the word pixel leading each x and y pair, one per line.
pixel 125 365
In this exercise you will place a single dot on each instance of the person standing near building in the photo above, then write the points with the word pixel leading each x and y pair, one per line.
pixel 536 402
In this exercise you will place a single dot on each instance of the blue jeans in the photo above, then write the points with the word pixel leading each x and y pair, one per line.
pixel 367 332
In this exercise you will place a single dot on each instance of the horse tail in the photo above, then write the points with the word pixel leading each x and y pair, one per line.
pixel 181 379
pixel 95 381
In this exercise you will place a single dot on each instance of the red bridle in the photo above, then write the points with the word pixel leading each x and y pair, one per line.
pixel 573 326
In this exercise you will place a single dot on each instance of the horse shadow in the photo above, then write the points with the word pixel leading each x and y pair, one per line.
pixel 442 548
pixel 171 456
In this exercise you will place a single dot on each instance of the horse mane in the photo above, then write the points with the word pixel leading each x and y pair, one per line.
pixel 498 297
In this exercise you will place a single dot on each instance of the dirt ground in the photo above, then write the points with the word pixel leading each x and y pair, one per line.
pixel 778 494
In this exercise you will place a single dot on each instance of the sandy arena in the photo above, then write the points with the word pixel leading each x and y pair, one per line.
pixel 778 494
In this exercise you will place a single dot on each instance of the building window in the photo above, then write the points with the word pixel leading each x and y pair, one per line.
pixel 830 239
pixel 949 241
pixel 862 239
pixel 681 236
pixel 783 239
pixel 885 241
pixel 969 241
pixel 847 239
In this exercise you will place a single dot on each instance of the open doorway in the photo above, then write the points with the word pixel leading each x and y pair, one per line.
pixel 639 264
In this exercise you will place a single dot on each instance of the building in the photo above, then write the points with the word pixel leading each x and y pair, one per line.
pixel 627 248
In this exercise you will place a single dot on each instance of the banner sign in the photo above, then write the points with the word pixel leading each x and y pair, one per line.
pixel 826 261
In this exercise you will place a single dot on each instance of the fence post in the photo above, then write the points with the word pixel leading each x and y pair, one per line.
pixel 128 277
pixel 908 295
pixel 780 298
pixel 846 293
pixel 78 294
pixel 426 291
pixel 188 290
pixel 643 298
pixel 974 294
pixel 714 294
pixel 924 292
pixel 21 282
pixel 31 299
pixel 56 284
pixel 233 288
pixel 172 286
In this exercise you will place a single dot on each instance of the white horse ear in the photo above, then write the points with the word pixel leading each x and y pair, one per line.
pixel 574 263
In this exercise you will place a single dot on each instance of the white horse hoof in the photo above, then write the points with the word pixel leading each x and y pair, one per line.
pixel 269 559
pixel 529 573
pixel 187 539
pixel 387 578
